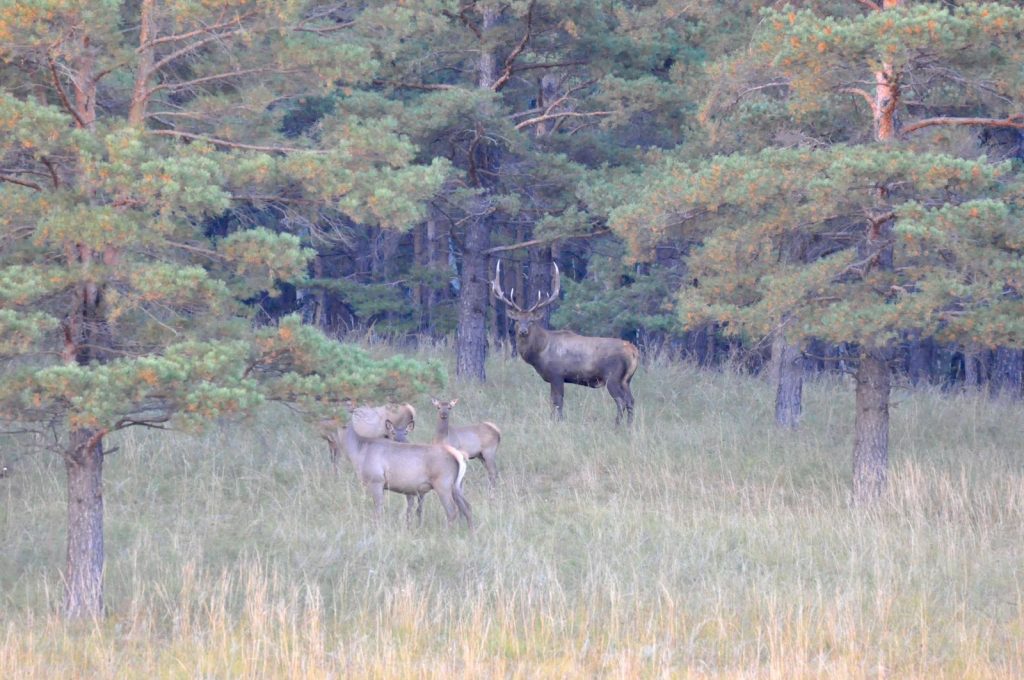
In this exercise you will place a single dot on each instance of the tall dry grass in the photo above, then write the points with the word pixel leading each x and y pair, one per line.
pixel 701 543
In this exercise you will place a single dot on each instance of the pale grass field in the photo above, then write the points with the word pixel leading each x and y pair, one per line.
pixel 703 543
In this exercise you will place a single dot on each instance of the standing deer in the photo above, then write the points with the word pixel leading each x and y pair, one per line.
pixel 394 421
pixel 479 440
pixel 409 469
pixel 564 357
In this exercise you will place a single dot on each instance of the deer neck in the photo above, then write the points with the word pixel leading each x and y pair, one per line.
pixel 442 430
pixel 353 445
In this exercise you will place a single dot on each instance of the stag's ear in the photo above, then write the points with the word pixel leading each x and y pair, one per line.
pixel 454 402
pixel 435 402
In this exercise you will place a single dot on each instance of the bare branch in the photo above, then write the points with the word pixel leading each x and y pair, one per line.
pixel 191 34
pixel 862 93
pixel 205 79
pixel 1014 121
pixel 542 241
pixel 870 4
pixel 21 182
pixel 233 145
pixel 562 114
pixel 62 94
pixel 516 51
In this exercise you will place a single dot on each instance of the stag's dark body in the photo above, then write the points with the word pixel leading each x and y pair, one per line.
pixel 565 357
pixel 561 357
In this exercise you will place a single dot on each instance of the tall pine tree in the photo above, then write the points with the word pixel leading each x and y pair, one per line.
pixel 127 125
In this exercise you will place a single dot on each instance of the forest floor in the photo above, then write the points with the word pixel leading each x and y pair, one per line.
pixel 701 542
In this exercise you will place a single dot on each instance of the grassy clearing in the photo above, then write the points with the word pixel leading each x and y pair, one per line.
pixel 701 543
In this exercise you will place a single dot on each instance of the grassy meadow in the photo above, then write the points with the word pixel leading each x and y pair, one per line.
pixel 701 543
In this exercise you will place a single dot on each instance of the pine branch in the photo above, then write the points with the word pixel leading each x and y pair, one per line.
pixel 233 145
pixel 62 94
pixel 21 182
pixel 563 114
pixel 205 79
pixel 1015 121
pixel 516 51
pixel 542 241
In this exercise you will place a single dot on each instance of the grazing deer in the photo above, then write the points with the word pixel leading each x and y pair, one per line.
pixel 394 421
pixel 409 469
pixel 564 357
pixel 479 440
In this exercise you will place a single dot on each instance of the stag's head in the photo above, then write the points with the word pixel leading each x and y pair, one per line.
pixel 527 320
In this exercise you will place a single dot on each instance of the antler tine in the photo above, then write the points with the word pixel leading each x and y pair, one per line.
pixel 556 285
pixel 498 293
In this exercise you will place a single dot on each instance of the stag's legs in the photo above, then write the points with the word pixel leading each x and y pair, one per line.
pixel 557 396
pixel 615 389
pixel 628 394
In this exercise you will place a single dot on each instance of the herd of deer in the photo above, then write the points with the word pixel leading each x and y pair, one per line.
pixel 376 438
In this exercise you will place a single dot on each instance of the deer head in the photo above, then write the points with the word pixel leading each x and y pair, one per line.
pixel 525 318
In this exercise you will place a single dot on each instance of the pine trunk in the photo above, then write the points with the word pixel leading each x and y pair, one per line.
pixel 471 335
pixel 1007 373
pixel 788 374
pixel 871 428
pixel 83 587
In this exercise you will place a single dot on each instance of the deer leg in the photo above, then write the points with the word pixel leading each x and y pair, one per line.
pixel 409 502
pixel 376 490
pixel 557 396
pixel 628 394
pixel 463 506
pixel 615 390
pixel 487 455
pixel 451 508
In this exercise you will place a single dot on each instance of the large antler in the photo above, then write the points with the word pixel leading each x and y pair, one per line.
pixel 541 303
pixel 556 285
pixel 498 293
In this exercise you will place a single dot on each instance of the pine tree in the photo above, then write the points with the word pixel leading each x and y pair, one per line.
pixel 126 128
pixel 885 233
pixel 526 98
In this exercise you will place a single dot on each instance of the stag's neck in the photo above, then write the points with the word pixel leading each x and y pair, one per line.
pixel 534 344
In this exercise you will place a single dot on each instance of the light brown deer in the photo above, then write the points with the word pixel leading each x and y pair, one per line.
pixel 479 440
pixel 409 469
pixel 393 421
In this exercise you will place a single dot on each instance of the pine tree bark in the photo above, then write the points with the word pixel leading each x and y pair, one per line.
pixel 788 377
pixel 871 427
pixel 471 335
pixel 83 586
pixel 1007 373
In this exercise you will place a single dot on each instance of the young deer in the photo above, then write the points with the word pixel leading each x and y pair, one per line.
pixel 409 469
pixel 479 440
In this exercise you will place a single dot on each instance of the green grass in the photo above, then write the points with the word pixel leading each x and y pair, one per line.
pixel 701 543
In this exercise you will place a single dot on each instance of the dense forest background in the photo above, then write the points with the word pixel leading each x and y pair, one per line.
pixel 198 198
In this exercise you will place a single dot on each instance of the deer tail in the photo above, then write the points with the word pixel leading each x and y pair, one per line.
pixel 460 458
pixel 494 427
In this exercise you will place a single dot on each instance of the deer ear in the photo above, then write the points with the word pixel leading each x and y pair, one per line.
pixel 435 402
pixel 454 402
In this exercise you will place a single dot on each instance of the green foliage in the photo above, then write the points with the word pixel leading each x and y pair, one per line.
pixel 614 300
pixel 118 307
